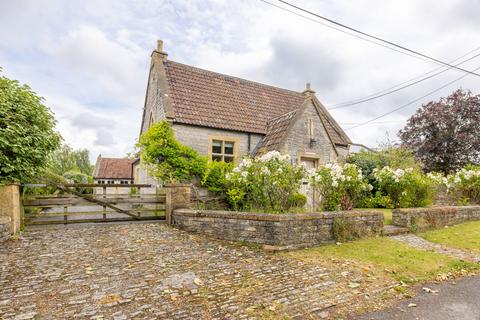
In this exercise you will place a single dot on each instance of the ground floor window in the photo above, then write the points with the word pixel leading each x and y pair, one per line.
pixel 223 150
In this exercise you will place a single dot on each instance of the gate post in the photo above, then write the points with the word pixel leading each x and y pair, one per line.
pixel 177 196
pixel 11 206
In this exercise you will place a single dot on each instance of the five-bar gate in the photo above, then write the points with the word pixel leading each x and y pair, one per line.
pixel 75 203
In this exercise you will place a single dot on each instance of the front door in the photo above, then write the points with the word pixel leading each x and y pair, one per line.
pixel 306 189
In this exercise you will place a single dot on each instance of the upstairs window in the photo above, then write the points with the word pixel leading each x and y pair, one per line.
pixel 222 150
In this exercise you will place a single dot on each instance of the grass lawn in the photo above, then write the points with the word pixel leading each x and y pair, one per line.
pixel 387 214
pixel 385 255
pixel 462 236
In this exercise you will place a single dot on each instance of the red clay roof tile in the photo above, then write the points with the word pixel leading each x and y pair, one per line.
pixel 113 168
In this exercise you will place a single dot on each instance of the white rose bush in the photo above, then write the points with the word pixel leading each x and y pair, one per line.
pixel 339 187
pixel 269 183
pixel 405 188
pixel 465 185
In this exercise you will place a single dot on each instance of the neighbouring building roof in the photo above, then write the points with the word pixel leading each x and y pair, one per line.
pixel 113 168
pixel 210 99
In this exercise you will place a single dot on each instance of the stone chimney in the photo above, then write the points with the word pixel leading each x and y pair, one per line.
pixel 158 53
pixel 308 91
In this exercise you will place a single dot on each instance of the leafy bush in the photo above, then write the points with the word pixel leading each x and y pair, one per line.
pixel 340 188
pixel 265 183
pixel 168 159
pixel 367 161
pixel 27 132
pixel 214 177
pixel 377 200
pixel 394 157
pixel 297 200
pixel 406 188
pixel 74 176
pixel 465 185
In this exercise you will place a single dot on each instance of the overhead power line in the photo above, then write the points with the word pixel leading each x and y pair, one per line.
pixel 343 31
pixel 346 105
pixel 402 83
pixel 365 34
pixel 411 102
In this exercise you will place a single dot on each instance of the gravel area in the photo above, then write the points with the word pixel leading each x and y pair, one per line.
pixel 151 271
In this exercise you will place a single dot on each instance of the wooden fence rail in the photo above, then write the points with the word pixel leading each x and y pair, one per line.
pixel 73 206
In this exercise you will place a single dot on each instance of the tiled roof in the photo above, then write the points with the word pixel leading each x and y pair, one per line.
pixel 113 168
pixel 276 130
pixel 210 99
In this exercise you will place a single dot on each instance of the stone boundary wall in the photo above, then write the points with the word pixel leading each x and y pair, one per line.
pixel 276 231
pixel 10 209
pixel 4 228
pixel 418 219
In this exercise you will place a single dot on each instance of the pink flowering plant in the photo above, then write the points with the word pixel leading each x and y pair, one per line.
pixel 339 187
pixel 269 183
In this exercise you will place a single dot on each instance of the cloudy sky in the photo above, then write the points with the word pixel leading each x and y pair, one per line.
pixel 90 58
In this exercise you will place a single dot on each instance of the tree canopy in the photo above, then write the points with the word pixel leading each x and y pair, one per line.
pixel 444 134
pixel 65 159
pixel 27 132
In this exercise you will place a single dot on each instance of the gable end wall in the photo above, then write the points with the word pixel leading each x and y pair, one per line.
pixel 297 142
pixel 154 103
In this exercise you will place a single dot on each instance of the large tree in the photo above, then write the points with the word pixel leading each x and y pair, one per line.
pixel 445 134
pixel 27 132
pixel 66 159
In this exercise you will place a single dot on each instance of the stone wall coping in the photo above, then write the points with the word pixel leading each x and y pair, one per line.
pixel 174 185
pixel 275 217
pixel 434 208
pixel 5 220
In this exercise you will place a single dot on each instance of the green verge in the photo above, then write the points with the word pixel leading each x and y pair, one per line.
pixel 387 256
pixel 462 236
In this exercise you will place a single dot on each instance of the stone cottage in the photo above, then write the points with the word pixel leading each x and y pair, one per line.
pixel 226 118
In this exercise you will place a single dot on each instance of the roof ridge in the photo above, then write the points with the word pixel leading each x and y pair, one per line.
pixel 282 115
pixel 234 77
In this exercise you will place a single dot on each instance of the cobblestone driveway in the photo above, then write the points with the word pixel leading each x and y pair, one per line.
pixel 150 271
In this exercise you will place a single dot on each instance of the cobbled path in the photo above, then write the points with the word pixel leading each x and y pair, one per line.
pixel 151 271
pixel 420 243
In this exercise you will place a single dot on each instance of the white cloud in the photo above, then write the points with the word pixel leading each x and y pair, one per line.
pixel 90 59
pixel 104 138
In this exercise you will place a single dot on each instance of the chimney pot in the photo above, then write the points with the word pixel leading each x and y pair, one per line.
pixel 158 53
pixel 160 45
pixel 308 91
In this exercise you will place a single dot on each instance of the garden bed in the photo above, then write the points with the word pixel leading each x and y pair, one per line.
pixel 281 231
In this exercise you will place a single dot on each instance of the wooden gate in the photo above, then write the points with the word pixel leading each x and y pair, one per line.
pixel 75 203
